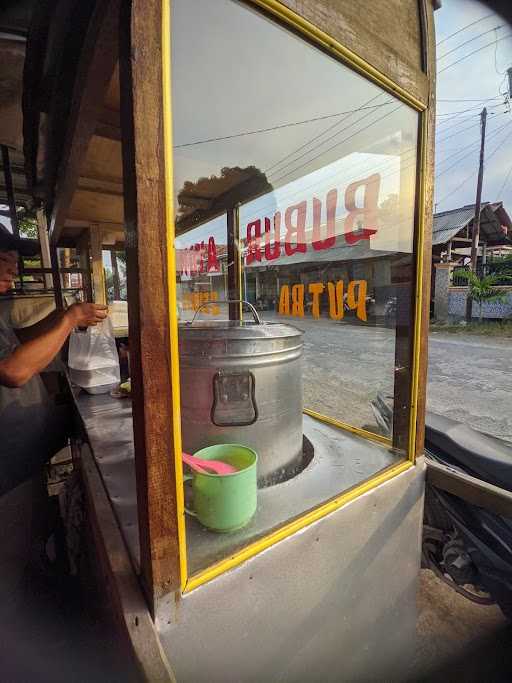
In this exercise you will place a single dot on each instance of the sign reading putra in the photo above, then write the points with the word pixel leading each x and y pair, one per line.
pixel 292 299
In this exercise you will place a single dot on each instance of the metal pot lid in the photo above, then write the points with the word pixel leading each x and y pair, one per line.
pixel 235 329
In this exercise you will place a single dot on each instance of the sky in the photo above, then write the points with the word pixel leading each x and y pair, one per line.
pixel 307 122
pixel 480 77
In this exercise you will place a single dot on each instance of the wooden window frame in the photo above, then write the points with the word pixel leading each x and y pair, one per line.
pixel 146 91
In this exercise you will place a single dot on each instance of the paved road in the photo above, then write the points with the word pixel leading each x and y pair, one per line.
pixel 458 640
pixel 470 379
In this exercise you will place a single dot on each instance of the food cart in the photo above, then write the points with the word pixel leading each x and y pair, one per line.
pixel 277 154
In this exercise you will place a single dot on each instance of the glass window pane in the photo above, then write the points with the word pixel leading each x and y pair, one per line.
pixel 201 262
pixel 294 182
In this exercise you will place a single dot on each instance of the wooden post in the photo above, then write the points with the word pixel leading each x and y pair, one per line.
pixel 428 208
pixel 115 275
pixel 11 199
pixel 57 285
pixel 233 264
pixel 155 408
pixel 66 263
pixel 44 243
pixel 97 62
pixel 98 273
pixel 85 265
pixel 6 163
pixel 404 324
pixel 478 207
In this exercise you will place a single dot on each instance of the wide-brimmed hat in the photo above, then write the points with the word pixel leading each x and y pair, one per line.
pixel 24 247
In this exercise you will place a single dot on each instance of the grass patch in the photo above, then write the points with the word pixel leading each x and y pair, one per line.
pixel 486 329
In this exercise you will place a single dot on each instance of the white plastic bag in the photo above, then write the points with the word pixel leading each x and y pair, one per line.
pixel 92 358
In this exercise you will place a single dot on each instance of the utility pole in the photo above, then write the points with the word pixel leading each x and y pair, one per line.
pixel 476 219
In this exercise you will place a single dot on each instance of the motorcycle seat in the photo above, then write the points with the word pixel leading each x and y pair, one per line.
pixel 482 455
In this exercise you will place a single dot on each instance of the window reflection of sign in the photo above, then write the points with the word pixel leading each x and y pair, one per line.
pixel 200 258
pixel 292 299
pixel 286 234
pixel 192 301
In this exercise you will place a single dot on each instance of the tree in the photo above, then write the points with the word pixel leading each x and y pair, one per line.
pixel 482 289
pixel 502 265
pixel 28 228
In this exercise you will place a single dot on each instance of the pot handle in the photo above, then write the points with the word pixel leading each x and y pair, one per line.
pixel 188 477
pixel 254 312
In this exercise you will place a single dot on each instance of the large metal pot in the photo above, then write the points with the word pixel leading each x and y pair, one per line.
pixel 241 382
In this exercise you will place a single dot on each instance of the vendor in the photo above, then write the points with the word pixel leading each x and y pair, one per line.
pixel 30 432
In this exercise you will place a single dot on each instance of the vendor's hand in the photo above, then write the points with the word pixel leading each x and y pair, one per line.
pixel 86 315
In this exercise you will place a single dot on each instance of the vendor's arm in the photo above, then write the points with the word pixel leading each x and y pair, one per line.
pixel 33 356
pixel 32 331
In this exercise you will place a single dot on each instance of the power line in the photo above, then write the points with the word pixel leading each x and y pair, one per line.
pixel 471 152
pixel 461 130
pixel 472 144
pixel 450 156
pixel 463 119
pixel 458 114
pixel 452 118
pixel 335 145
pixel 504 184
pixel 461 111
pixel 469 99
pixel 495 28
pixel 440 201
pixel 494 132
pixel 474 52
pixel 487 16
pixel 407 166
pixel 498 146
pixel 467 118
pixel 456 153
pixel 278 127
pixel 307 143
pixel 378 168
pixel 301 156
pixel 323 181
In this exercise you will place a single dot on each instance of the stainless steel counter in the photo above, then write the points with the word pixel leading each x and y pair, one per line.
pixel 341 461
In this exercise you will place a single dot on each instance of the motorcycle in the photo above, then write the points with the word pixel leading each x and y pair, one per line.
pixel 466 546
pixel 390 312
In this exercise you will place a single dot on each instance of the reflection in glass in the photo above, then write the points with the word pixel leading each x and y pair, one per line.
pixel 294 187
pixel 201 263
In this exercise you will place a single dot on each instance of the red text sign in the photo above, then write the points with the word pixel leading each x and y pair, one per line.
pixel 285 234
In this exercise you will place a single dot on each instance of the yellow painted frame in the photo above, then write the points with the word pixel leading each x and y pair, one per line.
pixel 171 285
pixel 418 303
pixel 371 436
pixel 295 525
pixel 345 54
pixel 352 60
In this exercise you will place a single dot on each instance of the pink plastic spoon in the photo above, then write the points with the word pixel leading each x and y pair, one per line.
pixel 215 466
